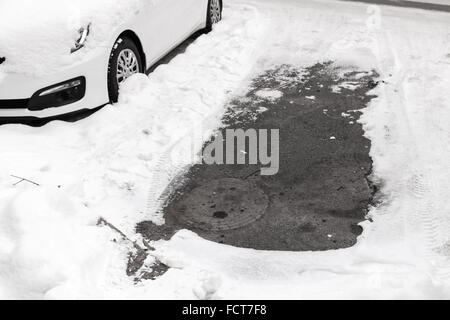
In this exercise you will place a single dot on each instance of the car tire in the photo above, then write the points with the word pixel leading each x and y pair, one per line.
pixel 213 16
pixel 123 45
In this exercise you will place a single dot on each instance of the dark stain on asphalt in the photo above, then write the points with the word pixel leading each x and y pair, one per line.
pixel 322 191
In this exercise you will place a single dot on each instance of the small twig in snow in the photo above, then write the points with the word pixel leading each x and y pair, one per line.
pixel 23 179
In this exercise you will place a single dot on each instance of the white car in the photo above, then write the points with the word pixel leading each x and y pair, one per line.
pixel 62 56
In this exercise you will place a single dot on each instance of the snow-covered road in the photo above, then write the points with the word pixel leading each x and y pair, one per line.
pixel 115 164
pixel 439 5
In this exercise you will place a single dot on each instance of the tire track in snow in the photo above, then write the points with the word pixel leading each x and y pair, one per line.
pixel 425 182
pixel 418 184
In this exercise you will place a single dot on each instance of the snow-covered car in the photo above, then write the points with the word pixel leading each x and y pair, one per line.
pixel 62 56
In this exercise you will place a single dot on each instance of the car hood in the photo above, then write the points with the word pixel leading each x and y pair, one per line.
pixel 36 36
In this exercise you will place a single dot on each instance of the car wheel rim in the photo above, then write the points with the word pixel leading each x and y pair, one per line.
pixel 127 65
pixel 215 11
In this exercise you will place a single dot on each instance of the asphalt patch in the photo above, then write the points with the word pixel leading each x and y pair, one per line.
pixel 322 191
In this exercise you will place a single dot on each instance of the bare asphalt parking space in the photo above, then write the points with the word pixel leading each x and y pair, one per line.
pixel 322 190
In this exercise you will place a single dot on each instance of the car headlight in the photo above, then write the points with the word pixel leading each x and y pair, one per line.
pixel 84 33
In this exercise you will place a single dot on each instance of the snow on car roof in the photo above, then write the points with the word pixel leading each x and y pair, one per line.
pixel 36 36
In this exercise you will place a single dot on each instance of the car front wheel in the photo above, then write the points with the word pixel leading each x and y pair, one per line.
pixel 125 61
pixel 214 13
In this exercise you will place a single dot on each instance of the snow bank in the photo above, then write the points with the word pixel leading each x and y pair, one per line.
pixel 111 165
pixel 37 36
pixel 48 240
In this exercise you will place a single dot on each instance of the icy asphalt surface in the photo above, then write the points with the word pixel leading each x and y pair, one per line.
pixel 322 191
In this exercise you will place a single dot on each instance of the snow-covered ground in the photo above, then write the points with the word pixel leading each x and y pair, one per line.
pixel 116 163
